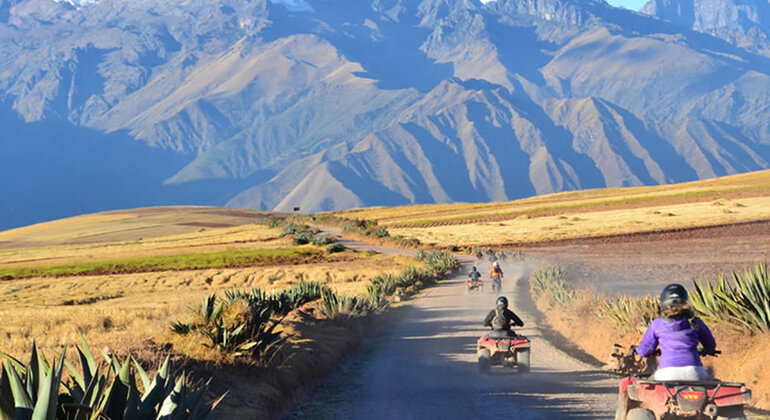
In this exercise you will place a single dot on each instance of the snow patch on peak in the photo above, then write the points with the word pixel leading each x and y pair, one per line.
pixel 293 5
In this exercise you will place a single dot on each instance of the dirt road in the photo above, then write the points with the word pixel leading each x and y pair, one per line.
pixel 425 367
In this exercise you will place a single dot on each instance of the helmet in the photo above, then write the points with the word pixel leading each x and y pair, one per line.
pixel 474 268
pixel 673 294
pixel 502 301
pixel 496 264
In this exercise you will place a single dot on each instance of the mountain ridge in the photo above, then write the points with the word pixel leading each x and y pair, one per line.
pixel 276 105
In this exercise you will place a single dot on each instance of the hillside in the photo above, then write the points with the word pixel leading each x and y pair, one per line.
pixel 326 106
pixel 729 200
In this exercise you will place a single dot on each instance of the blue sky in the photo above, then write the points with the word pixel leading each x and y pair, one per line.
pixel 628 4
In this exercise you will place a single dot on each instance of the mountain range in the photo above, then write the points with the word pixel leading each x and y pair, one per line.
pixel 331 104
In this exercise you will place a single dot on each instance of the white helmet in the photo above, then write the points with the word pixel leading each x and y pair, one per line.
pixel 496 264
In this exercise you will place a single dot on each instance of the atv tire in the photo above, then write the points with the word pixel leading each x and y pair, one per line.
pixel 640 414
pixel 731 413
pixel 484 361
pixel 522 360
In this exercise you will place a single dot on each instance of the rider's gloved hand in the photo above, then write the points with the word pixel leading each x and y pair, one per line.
pixel 519 324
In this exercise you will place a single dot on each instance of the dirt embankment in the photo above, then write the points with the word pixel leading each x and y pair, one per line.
pixel 578 325
pixel 642 264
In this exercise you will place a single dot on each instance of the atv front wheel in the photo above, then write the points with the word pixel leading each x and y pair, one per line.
pixel 522 359
pixel 484 361
pixel 640 414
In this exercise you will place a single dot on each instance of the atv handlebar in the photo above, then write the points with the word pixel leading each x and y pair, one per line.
pixel 714 353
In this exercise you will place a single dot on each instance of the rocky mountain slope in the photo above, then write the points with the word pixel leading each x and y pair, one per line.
pixel 328 104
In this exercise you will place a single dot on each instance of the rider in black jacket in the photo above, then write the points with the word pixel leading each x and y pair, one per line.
pixel 501 318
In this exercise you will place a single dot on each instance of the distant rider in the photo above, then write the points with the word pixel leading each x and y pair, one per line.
pixel 474 274
pixel 678 332
pixel 501 318
pixel 496 273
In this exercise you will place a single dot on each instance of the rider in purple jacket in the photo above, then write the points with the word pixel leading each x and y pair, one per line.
pixel 678 332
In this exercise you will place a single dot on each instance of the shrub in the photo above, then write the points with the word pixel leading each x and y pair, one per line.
pixel 33 391
pixel 630 312
pixel 241 323
pixel 334 306
pixel 335 247
pixel 281 302
pixel 552 281
pixel 745 303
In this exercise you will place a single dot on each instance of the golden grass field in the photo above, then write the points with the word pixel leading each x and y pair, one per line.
pixel 124 310
pixel 137 233
pixel 581 214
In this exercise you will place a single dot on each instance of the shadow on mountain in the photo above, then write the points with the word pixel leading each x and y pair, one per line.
pixel 560 142
pixel 390 52
pixel 513 163
pixel 673 165
pixel 520 50
pixel 57 170
pixel 368 190
pixel 635 24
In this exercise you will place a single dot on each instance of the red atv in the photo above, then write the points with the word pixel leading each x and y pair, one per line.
pixel 646 399
pixel 503 351
pixel 473 286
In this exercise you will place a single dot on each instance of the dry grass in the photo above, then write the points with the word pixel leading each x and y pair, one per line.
pixel 575 214
pixel 58 243
pixel 593 224
pixel 124 310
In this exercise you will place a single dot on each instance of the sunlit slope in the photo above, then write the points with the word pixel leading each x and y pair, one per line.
pixel 137 233
pixel 588 213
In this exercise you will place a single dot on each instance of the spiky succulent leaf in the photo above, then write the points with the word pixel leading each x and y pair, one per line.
pixel 48 397
pixel 23 405
pixel 114 404
pixel 6 396
pixel 88 363
pixel 142 374
pixel 153 395
pixel 173 403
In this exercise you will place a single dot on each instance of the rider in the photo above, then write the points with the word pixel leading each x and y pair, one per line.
pixel 496 273
pixel 500 319
pixel 678 332
pixel 474 274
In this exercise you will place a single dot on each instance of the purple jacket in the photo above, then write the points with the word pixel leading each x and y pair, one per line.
pixel 678 342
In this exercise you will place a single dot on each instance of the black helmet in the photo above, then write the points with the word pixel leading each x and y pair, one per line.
pixel 673 294
pixel 502 301
pixel 474 268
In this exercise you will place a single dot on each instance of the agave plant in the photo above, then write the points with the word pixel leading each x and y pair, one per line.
pixel 32 391
pixel 252 331
pixel 630 312
pixel 96 392
pixel 745 302
pixel 552 281
pixel 334 306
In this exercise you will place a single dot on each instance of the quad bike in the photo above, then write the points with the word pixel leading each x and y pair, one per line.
pixel 647 399
pixel 503 351
pixel 496 282
pixel 473 286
